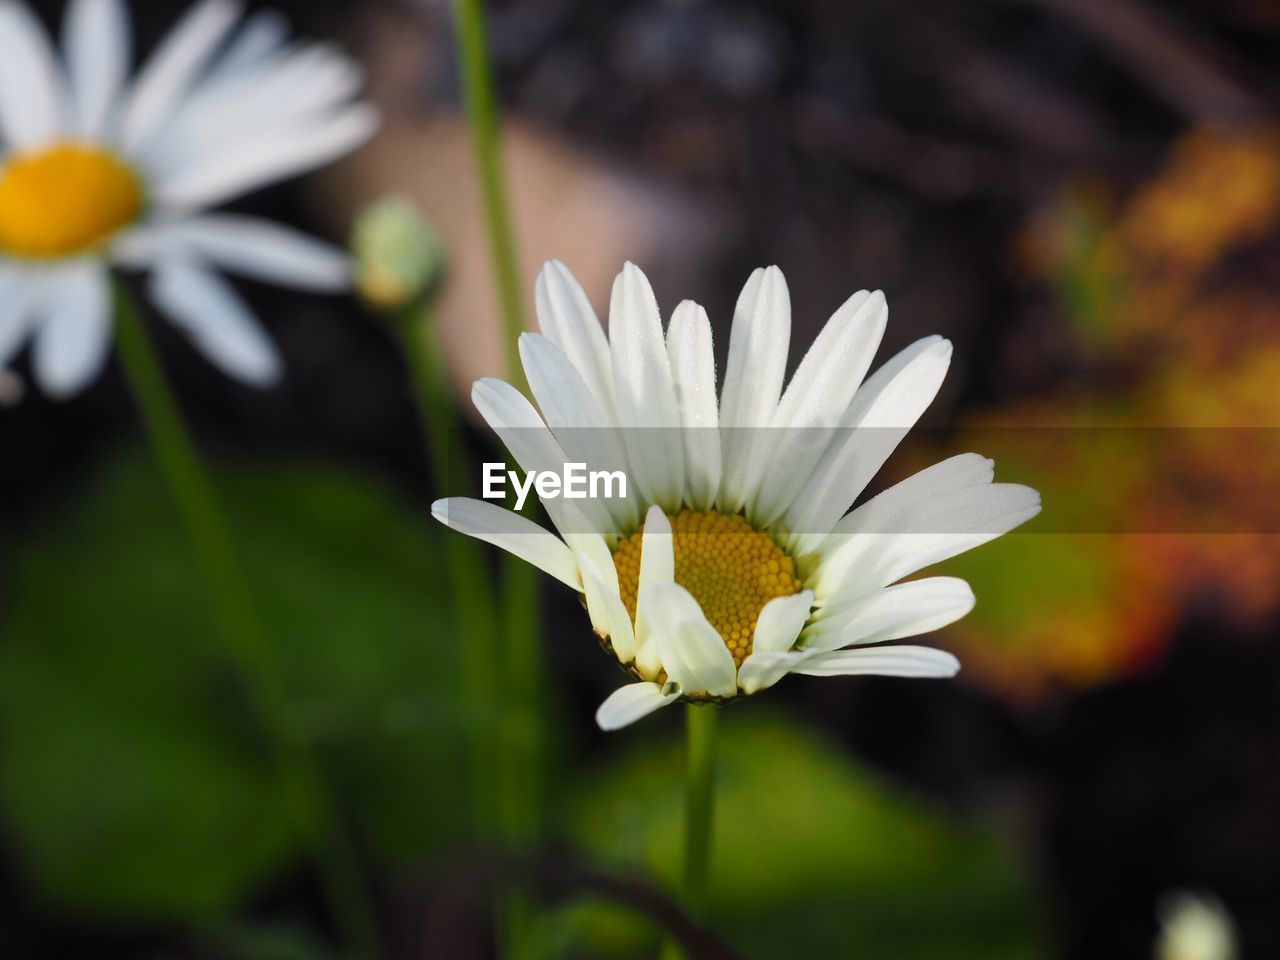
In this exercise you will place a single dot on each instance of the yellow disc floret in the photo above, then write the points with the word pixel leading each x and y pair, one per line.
pixel 64 200
pixel 731 569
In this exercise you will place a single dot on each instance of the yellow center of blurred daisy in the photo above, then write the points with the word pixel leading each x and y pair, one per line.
pixel 731 569
pixel 64 200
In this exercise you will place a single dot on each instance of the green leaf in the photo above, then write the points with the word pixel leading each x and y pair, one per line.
pixel 812 855
pixel 132 777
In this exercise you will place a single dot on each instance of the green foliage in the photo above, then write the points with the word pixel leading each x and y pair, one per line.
pixel 263 943
pixel 1091 283
pixel 1036 571
pixel 812 856
pixel 132 776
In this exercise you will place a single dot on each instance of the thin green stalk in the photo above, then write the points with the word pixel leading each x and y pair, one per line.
pixel 524 740
pixel 477 622
pixel 238 621
pixel 700 729
pixel 424 356
pixel 486 146
pixel 701 722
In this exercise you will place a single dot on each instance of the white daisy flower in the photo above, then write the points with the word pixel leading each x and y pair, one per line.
pixel 96 171
pixel 734 560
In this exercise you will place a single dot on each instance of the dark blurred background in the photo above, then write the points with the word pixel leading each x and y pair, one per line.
pixel 1082 194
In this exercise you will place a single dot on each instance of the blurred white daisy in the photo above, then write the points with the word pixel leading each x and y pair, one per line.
pixel 732 562
pixel 97 171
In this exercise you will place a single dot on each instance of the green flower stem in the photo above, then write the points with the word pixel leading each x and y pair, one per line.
pixel 524 738
pixel 700 729
pixel 477 622
pixel 424 356
pixel 486 146
pixel 701 721
pixel 238 621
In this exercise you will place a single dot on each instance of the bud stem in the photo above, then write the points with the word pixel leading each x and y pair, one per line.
pixel 250 652
pixel 522 757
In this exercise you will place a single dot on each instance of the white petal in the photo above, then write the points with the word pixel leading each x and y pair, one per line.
pixel 247 246
pixel 815 401
pixel 522 431
pixel 294 91
pixel 97 42
pixel 780 622
pixel 566 319
pixel 260 160
pixel 693 368
pixel 517 424
pixel 604 599
pixel 903 661
pixel 575 416
pixel 74 333
pixel 835 364
pixel 32 89
pixel 777 629
pixel 591 552
pixel 139 247
pixel 883 512
pixel 883 411
pixel 657 565
pixel 17 303
pixel 174 65
pixel 895 510
pixel 753 381
pixel 692 652
pixel 217 321
pixel 891 613
pixel 938 531
pixel 762 669
pixel 563 396
pixel 657 549
pixel 628 704
pixel 645 390
pixel 511 532
pixel 261 34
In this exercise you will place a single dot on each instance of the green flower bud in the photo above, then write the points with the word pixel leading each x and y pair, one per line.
pixel 400 257
pixel 1195 927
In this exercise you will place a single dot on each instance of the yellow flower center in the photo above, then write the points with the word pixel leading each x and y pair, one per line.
pixel 64 200
pixel 731 569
